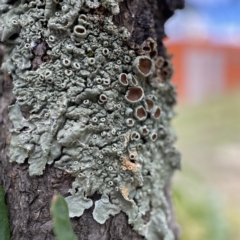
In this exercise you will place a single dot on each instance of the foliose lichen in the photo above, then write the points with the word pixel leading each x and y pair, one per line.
pixel 92 106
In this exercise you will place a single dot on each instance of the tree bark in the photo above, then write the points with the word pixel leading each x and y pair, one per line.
pixel 28 198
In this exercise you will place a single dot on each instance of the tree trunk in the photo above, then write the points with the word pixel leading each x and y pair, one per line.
pixel 28 196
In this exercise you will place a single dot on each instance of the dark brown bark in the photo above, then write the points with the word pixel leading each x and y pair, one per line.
pixel 28 198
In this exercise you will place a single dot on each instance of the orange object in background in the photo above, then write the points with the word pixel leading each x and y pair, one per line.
pixel 204 69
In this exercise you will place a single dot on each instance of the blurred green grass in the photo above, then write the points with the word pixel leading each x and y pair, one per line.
pixel 198 211
pixel 214 122
pixel 198 192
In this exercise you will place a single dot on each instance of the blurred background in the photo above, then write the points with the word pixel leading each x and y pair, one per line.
pixel 205 41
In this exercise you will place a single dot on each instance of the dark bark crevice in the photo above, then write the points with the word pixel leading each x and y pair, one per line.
pixel 40 54
pixel 138 17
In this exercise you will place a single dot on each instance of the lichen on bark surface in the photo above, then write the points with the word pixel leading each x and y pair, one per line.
pixel 72 110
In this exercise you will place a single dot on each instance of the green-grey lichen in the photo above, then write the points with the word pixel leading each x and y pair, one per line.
pixel 94 108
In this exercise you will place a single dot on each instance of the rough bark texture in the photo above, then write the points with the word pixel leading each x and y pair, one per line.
pixel 28 198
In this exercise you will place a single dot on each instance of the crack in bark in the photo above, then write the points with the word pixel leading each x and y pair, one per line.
pixel 40 54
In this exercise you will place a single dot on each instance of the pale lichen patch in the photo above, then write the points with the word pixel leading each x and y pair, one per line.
pixel 125 193
pixel 128 165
